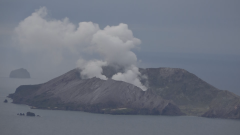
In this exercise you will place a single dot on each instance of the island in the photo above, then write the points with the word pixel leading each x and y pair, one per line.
pixel 5 101
pixel 19 73
pixel 171 91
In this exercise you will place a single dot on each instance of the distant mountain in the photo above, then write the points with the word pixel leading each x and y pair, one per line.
pixel 171 91
pixel 19 73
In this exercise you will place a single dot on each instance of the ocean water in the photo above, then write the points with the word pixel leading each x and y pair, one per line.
pixel 55 122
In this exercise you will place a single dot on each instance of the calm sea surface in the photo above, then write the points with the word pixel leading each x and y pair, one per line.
pixel 53 122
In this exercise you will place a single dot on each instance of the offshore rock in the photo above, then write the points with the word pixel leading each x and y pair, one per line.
pixel 30 114
pixel 19 73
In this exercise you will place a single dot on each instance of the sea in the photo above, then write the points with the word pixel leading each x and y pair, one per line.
pixel 57 122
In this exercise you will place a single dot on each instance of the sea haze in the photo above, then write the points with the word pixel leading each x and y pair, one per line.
pixel 73 122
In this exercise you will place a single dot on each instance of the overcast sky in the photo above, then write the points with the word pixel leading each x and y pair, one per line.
pixel 202 36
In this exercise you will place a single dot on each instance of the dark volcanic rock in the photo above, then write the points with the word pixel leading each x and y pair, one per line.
pixel 30 114
pixel 19 73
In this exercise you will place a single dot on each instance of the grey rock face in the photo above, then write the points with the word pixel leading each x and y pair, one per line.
pixel 19 73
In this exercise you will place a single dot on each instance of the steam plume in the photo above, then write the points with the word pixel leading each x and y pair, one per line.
pixel 113 44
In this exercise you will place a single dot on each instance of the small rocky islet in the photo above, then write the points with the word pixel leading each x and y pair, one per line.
pixel 171 91
pixel 5 101
pixel 19 73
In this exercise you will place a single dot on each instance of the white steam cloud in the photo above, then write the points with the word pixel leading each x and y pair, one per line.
pixel 38 33
pixel 130 76
pixel 91 68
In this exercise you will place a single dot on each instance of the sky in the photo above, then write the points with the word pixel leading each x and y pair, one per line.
pixel 201 36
